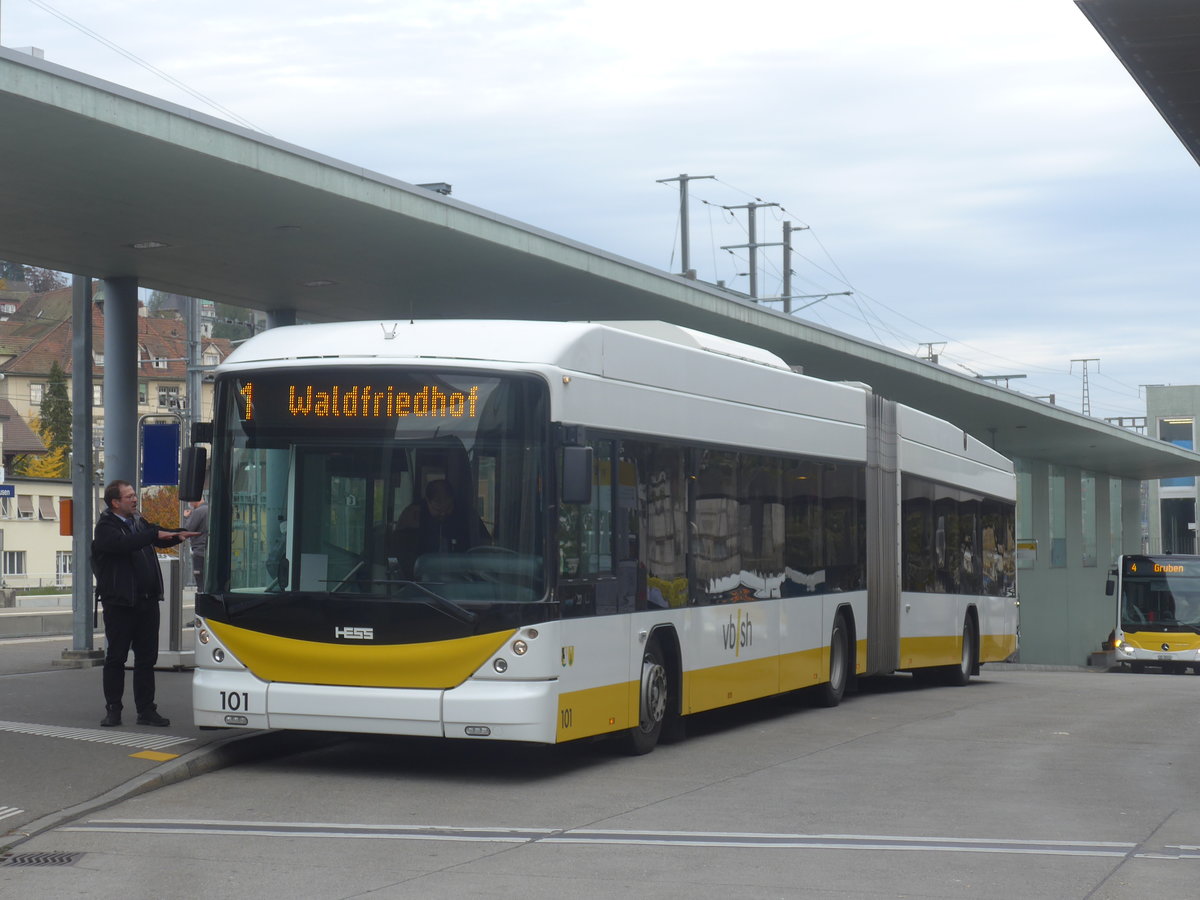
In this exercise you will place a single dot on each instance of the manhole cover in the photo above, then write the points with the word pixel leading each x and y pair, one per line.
pixel 40 859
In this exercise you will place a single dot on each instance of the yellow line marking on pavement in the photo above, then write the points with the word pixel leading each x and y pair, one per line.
pixel 154 755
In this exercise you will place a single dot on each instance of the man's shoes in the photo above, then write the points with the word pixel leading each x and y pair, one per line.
pixel 151 717
pixel 112 717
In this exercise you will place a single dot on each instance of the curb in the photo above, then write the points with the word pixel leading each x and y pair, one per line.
pixel 228 751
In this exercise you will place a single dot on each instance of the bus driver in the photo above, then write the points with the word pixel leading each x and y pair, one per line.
pixel 437 524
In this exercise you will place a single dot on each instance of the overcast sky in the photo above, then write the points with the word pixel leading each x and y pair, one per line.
pixel 983 175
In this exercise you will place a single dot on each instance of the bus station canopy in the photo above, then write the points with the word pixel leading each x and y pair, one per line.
pixel 1158 42
pixel 106 182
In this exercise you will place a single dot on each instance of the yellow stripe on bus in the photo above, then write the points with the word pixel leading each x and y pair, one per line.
pixel 1154 640
pixel 803 669
pixel 731 683
pixel 946 650
pixel 997 647
pixel 939 650
pixel 433 665
pixel 598 710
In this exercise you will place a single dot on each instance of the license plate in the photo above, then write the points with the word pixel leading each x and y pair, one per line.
pixel 1163 657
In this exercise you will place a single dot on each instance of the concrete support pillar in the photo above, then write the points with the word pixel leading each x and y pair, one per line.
pixel 1039 475
pixel 1105 551
pixel 120 379
pixel 1131 516
pixel 81 652
pixel 277 318
pixel 1074 513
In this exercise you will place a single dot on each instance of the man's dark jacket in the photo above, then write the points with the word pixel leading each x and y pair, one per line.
pixel 124 561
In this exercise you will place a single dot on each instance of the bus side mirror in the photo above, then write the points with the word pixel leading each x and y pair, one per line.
pixel 191 473
pixel 1108 589
pixel 577 475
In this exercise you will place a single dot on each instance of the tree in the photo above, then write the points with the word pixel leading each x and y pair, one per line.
pixel 41 281
pixel 52 464
pixel 160 505
pixel 53 426
pixel 159 305
pixel 232 322
pixel 55 412
pixel 44 465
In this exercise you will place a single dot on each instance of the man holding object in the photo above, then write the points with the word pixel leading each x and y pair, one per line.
pixel 129 585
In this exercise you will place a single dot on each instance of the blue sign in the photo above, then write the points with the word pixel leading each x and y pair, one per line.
pixel 8 490
pixel 160 453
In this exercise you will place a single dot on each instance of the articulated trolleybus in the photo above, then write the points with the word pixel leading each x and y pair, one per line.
pixel 545 531
pixel 1157 612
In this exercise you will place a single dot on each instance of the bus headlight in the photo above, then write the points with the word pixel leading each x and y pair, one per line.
pixel 218 655
pixel 500 665
pixel 519 647
pixel 202 636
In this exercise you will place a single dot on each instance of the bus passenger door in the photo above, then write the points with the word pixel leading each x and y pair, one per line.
pixel 586 558
pixel 596 655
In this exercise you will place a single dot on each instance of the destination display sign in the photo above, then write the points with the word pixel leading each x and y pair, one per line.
pixel 1159 566
pixel 351 399
pixel 322 401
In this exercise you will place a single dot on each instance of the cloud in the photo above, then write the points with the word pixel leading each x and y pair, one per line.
pixel 996 178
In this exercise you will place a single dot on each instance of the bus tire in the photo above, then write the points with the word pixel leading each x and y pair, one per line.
pixel 831 692
pixel 652 703
pixel 959 675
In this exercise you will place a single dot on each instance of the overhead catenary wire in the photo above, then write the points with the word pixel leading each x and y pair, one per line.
pixel 883 321
pixel 134 58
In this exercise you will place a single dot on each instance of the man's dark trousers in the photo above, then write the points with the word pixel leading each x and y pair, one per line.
pixel 126 628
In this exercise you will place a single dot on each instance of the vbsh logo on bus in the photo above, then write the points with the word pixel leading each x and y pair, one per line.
pixel 737 635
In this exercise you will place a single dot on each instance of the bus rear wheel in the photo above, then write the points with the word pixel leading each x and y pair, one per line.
pixel 961 674
pixel 652 703
pixel 831 692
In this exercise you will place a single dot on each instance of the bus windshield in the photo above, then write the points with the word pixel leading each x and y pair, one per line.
pixel 381 482
pixel 1159 593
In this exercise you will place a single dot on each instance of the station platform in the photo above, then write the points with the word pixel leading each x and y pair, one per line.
pixel 44 615
pixel 57 763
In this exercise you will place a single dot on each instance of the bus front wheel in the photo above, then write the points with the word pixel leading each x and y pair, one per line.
pixel 652 703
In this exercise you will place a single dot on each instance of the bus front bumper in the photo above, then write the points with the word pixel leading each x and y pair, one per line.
pixel 479 709
pixel 1125 652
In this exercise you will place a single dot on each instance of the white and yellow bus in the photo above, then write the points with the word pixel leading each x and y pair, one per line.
pixel 1157 612
pixel 647 522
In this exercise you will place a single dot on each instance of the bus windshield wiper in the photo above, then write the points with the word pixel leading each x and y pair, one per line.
pixel 438 602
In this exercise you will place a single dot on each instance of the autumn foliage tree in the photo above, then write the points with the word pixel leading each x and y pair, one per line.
pixel 43 465
pixel 53 426
pixel 160 505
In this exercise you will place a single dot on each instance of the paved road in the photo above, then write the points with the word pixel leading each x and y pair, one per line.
pixel 1023 784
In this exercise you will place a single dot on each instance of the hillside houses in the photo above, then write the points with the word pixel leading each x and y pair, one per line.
pixel 35 335
pixel 40 333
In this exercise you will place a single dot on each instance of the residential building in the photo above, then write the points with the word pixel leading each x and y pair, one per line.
pixel 35 554
pixel 35 336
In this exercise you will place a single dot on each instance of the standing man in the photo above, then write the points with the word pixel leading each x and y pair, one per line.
pixel 129 584
pixel 197 521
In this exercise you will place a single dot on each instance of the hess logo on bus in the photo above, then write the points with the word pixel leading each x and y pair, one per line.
pixel 350 633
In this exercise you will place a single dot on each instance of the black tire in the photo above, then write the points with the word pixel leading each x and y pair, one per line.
pixel 831 692
pixel 652 703
pixel 960 674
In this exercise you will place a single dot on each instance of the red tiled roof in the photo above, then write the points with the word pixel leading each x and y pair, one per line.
pixel 158 338
pixel 18 436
